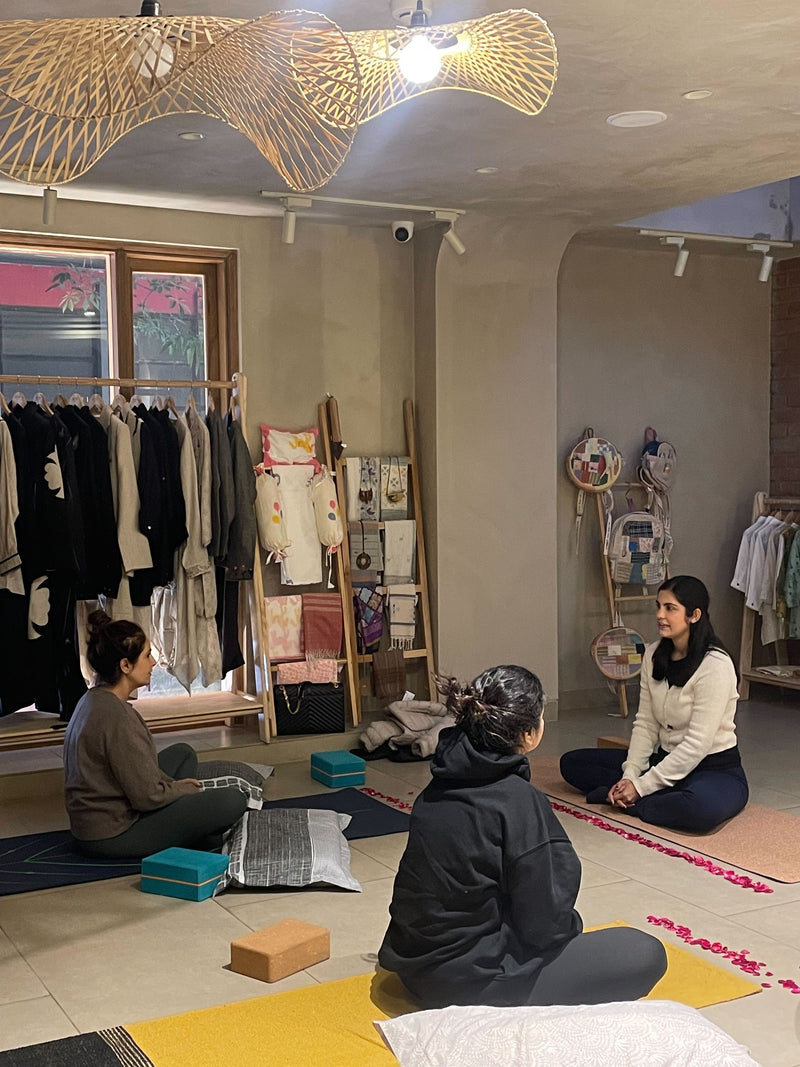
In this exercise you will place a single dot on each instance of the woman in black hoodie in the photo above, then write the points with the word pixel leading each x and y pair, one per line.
pixel 483 904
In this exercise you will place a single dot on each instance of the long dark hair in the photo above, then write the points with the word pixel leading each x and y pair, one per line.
pixel 497 708
pixel 111 642
pixel 690 594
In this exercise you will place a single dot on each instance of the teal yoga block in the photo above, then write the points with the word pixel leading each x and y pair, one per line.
pixel 183 872
pixel 338 768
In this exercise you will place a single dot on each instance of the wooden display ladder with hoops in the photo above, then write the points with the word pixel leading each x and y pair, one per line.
pixel 333 447
pixel 619 597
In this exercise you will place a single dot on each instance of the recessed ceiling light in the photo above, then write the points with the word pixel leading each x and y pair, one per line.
pixel 631 119
pixel 191 135
pixel 697 94
pixel 487 170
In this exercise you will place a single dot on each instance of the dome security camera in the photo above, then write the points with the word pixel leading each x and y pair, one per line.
pixel 402 232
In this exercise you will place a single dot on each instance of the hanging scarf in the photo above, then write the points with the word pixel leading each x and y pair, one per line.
pixel 368 604
pixel 402 615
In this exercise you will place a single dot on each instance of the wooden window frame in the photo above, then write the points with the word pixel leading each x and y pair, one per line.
pixel 218 266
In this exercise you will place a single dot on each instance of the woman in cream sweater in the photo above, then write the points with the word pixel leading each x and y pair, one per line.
pixel 682 769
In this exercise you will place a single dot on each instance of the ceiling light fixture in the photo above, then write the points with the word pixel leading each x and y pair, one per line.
pixel 419 61
pixel 292 82
pixel 487 170
pixel 509 56
pixel 697 94
pixel 450 234
pixel 49 201
pixel 191 135
pixel 630 120
pixel 152 57
pixel 290 206
pixel 766 248
pixel 682 257
pixel 767 259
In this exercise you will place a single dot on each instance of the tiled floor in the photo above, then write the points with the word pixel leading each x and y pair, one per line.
pixel 79 958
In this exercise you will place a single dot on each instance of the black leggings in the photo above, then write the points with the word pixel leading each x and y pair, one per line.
pixel 698 803
pixel 195 821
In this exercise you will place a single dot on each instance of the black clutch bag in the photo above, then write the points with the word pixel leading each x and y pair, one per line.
pixel 309 708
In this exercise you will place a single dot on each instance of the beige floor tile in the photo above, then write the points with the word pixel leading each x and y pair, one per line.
pixel 656 870
pixel 781 922
pixel 33 815
pixel 31 1021
pixel 417 774
pixel 773 798
pixel 593 874
pixel 34 759
pixel 387 850
pixel 17 980
pixel 344 967
pixel 767 1024
pixel 357 921
pixel 110 954
pixel 628 901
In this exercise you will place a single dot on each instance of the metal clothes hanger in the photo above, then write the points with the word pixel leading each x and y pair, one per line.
pixel 41 400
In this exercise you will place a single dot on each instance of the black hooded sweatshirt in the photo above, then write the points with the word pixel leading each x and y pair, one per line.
pixel 485 892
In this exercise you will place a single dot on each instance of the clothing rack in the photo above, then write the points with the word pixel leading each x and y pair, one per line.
pixel 763 505
pixel 170 712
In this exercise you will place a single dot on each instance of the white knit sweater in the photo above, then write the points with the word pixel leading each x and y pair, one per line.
pixel 689 722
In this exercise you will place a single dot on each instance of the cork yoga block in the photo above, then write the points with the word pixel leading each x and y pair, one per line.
pixel 280 950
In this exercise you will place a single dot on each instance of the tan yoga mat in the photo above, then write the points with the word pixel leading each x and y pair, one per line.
pixel 760 840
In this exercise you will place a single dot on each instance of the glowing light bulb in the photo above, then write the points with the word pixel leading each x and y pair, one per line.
pixel 153 57
pixel 419 61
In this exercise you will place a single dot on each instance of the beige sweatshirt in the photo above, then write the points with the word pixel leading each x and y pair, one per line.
pixel 111 771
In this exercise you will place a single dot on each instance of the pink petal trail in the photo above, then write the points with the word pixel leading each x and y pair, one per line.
pixel 395 802
pixel 742 880
pixel 740 958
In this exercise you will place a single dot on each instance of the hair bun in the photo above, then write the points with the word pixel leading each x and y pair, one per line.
pixel 97 621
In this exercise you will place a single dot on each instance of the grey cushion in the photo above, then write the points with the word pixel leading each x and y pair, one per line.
pixel 288 847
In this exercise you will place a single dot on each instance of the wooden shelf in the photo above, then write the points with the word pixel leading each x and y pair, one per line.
pixel 771 679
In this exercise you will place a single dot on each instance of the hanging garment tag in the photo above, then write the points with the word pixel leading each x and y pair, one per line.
pixel 408 696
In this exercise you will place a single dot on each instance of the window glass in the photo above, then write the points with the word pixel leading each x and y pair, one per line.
pixel 54 313
pixel 169 331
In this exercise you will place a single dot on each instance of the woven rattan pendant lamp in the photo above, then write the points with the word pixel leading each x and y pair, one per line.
pixel 293 82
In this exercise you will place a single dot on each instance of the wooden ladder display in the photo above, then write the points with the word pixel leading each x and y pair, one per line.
pixel 763 505
pixel 179 711
pixel 615 597
pixel 334 450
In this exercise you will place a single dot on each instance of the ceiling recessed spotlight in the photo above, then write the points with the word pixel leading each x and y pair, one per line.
pixel 632 119
pixel 191 135
pixel 697 94
pixel 487 170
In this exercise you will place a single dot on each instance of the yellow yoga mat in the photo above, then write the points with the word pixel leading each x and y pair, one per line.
pixel 330 1025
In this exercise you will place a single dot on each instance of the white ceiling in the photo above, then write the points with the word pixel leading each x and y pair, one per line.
pixel 566 163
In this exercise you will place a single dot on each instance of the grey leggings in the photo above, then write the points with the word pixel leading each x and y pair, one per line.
pixel 618 963
pixel 195 821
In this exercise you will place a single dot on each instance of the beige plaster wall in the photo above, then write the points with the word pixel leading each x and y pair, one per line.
pixel 496 462
pixel 638 347
pixel 331 313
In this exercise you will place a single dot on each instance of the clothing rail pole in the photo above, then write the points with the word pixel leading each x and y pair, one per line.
pixel 151 383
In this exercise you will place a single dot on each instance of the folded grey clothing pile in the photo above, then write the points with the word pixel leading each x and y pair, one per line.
pixel 413 723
